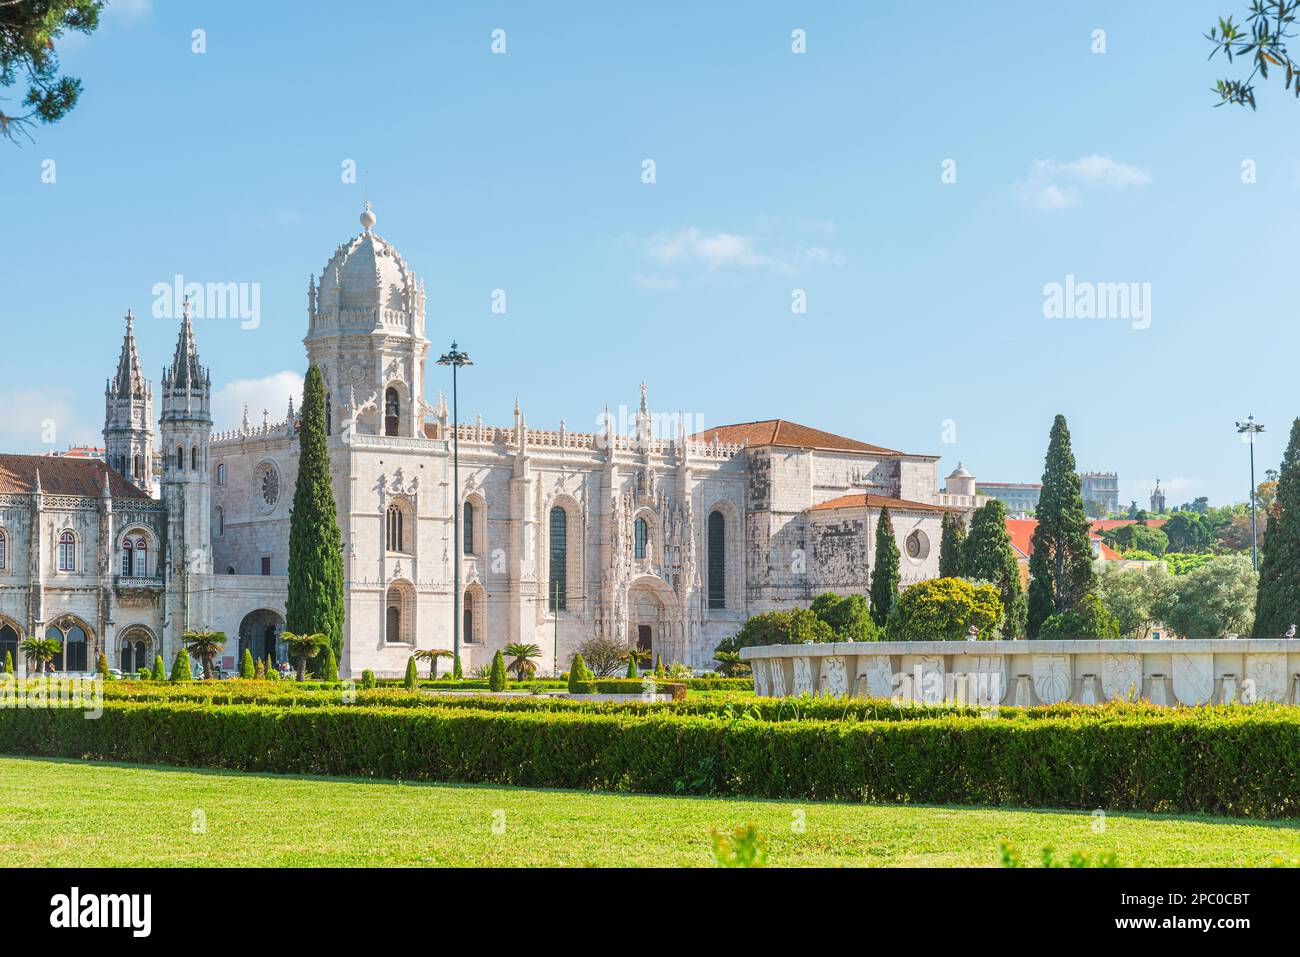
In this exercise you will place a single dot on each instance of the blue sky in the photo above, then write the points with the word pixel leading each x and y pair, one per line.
pixel 775 172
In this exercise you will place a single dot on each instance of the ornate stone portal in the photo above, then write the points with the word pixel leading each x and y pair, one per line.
pixel 1201 671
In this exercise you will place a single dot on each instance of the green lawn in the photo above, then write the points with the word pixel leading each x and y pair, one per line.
pixel 81 813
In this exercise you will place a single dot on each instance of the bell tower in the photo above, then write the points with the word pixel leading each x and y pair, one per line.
pixel 128 416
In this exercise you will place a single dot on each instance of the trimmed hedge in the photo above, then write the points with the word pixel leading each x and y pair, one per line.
pixel 1217 760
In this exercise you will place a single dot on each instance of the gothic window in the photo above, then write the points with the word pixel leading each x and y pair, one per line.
pixel 468 613
pixel 221 473
pixel 67 552
pixel 180 457
pixel 395 529
pixel 394 624
pixel 220 521
pixel 392 412
pixel 329 415
pixel 717 546
pixel 467 527
pixel 557 590
pixel 73 642
pixel 4 549
pixel 267 487
pixel 139 468
pixel 641 535
pixel 8 642
pixel 141 558
pixel 399 613
pixel 194 459
pixel 126 558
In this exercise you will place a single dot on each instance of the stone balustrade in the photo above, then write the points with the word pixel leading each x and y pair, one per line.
pixel 990 673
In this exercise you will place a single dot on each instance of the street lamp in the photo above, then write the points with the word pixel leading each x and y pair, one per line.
pixel 1252 428
pixel 455 359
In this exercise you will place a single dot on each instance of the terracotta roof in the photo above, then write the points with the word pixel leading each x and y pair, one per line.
pixel 879 501
pixel 1021 533
pixel 62 476
pixel 1106 524
pixel 789 434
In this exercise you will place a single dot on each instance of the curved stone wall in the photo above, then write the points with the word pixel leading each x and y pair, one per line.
pixel 992 673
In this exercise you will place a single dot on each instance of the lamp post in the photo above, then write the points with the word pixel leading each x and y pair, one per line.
pixel 1251 428
pixel 455 358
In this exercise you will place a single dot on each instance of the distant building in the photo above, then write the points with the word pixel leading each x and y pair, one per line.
pixel 1157 499
pixel 1100 493
pixel 1020 498
pixel 80 452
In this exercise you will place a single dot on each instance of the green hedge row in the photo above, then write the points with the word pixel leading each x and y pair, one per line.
pixel 1220 761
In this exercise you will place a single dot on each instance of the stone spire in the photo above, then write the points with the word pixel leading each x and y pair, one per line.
pixel 185 372
pixel 129 381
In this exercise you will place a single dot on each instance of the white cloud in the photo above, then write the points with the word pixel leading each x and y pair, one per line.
pixel 1053 185
pixel 713 251
pixel 271 392
pixel 43 421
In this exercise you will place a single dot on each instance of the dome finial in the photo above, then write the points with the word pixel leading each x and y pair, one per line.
pixel 367 217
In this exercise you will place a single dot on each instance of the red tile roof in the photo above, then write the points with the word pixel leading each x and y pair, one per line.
pixel 1106 524
pixel 1021 533
pixel 879 501
pixel 788 434
pixel 62 476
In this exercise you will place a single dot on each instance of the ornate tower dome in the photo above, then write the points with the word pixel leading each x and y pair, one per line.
pixel 366 334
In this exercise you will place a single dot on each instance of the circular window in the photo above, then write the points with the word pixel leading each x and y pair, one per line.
pixel 918 546
pixel 267 487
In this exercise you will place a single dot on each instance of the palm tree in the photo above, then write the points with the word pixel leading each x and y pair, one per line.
pixel 40 651
pixel 302 647
pixel 204 645
pixel 730 664
pixel 431 655
pixel 523 654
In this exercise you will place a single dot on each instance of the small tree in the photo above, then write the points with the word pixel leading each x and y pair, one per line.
pixel 1087 619
pixel 302 647
pixel 988 556
pixel 945 609
pixel 456 671
pixel 523 655
pixel 497 677
pixel 579 673
pixel 101 665
pixel 885 577
pixel 205 645
pixel 1277 605
pixel 411 680
pixel 368 680
pixel 270 667
pixel 848 616
pixel 9 663
pixel 40 652
pixel 331 665
pixel 159 669
pixel 1060 566
pixel 431 655
pixel 631 665
pixel 729 663
pixel 259 671
pixel 181 666
pixel 247 668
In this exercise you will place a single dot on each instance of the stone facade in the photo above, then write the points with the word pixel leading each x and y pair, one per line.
pixel 665 541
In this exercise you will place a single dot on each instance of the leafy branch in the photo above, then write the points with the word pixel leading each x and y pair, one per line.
pixel 1260 41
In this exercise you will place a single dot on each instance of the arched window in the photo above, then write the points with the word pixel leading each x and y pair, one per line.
pixel 467 528
pixel 329 415
pixel 392 412
pixel 394 624
pixel 139 467
pixel 717 546
pixel 141 558
pixel 180 457
pixel 194 458
pixel 4 552
pixel 399 613
pixel 395 529
pixel 67 552
pixel 640 536
pixel 557 592
pixel 8 642
pixel 220 521
pixel 73 645
pixel 127 548
pixel 467 629
pixel 221 473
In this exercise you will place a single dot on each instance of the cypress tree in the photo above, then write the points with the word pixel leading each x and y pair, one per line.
pixel 331 665
pixel 409 682
pixel 578 672
pixel 497 676
pixel 950 546
pixel 631 665
pixel 101 665
pixel 9 663
pixel 456 673
pixel 1277 605
pixel 315 601
pixel 247 669
pixel 1060 566
pixel 181 670
pixel 270 667
pixel 885 577
pixel 159 669
pixel 987 555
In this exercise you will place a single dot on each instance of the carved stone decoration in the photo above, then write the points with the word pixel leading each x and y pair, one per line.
pixel 834 677
pixel 1193 678
pixel 776 677
pixel 1267 672
pixel 803 682
pixel 989 680
pixel 759 667
pixel 1121 677
pixel 1051 678
pixel 927 677
pixel 875 676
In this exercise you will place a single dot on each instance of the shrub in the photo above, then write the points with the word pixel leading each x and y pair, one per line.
pixel 411 681
pixel 497 677
pixel 578 673
pixel 604 656
pixel 181 667
pixel 1207 760
pixel 159 672
pixel 1088 619
pixel 848 616
pixel 247 668
pixel 144 674
pixel 367 680
pixel 9 663
pixel 331 666
pixel 631 666
pixel 101 665
pixel 455 668
pixel 779 628
pixel 944 609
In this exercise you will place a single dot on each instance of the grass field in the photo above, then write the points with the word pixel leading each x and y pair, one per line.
pixel 81 813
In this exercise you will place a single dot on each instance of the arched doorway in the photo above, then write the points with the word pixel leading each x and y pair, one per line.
pixel 9 639
pixel 648 602
pixel 73 636
pixel 135 650
pixel 259 633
